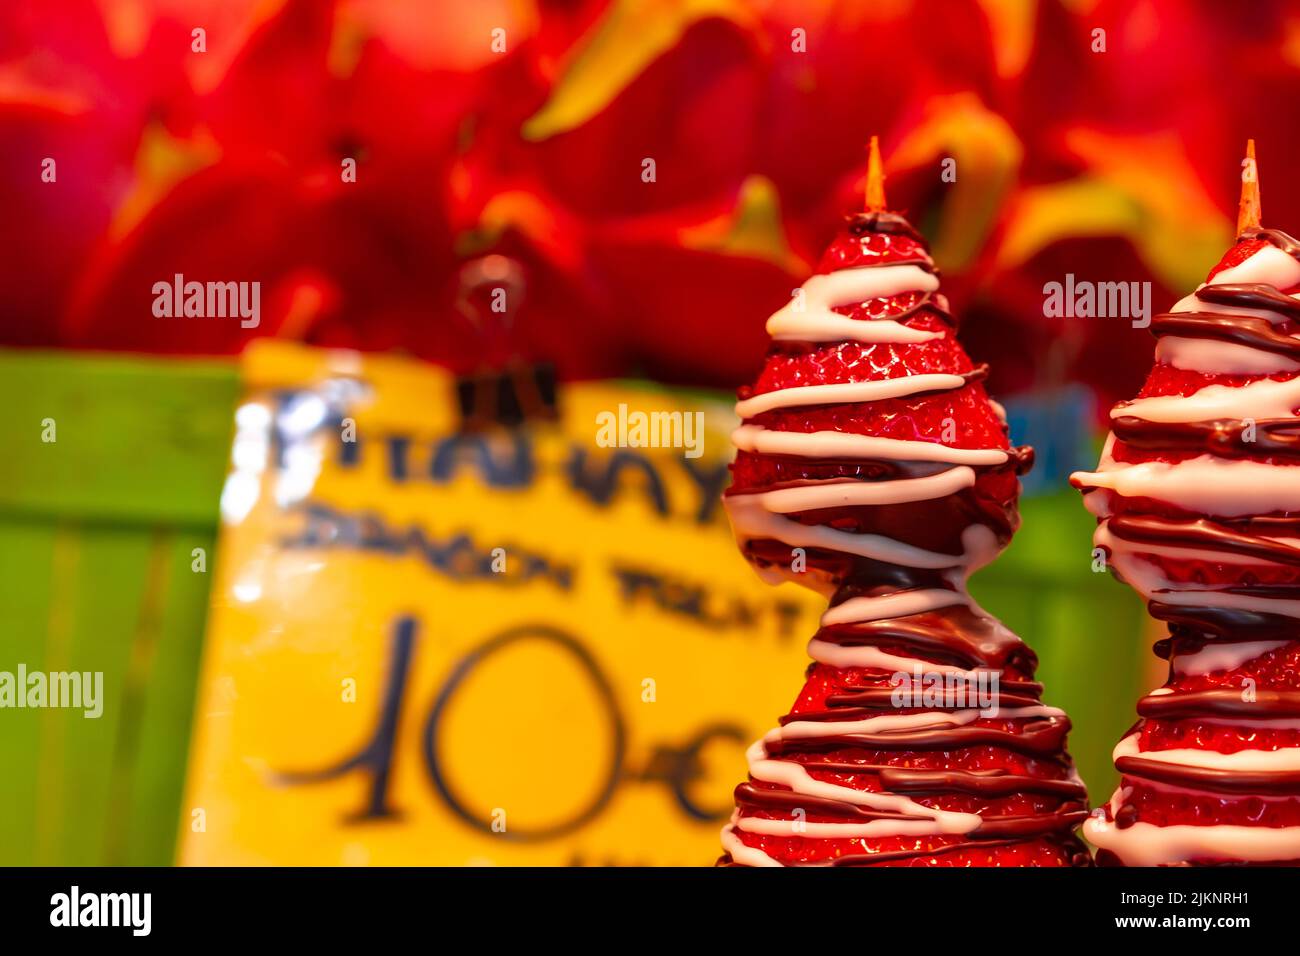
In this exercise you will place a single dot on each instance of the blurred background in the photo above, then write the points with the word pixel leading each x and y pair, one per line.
pixel 370 162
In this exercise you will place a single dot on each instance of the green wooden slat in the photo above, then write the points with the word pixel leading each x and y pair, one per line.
pixel 26 559
pixel 137 440
pixel 104 594
pixel 158 776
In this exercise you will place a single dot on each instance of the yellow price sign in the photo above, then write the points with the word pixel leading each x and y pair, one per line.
pixel 519 647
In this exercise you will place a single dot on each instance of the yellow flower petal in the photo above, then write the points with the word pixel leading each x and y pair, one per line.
pixel 630 36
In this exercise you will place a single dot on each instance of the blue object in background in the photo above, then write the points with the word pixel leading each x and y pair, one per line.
pixel 1058 424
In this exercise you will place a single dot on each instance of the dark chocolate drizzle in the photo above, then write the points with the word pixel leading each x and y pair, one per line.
pixel 992 828
pixel 986 783
pixel 1192 628
pixel 1201 533
pixel 959 636
pixel 1251 296
pixel 925 305
pixel 1042 737
pixel 1276 237
pixel 889 223
pixel 868 699
pixel 1246 330
pixel 1224 702
pixel 1274 783
pixel 1225 437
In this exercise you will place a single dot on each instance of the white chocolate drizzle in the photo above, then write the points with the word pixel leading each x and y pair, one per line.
pixel 1217 488
pixel 934 470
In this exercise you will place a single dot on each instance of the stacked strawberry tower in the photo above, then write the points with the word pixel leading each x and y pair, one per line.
pixel 873 468
pixel 1198 504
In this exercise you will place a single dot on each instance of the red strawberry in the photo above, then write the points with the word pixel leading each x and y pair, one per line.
pixel 1164 807
pixel 1277 669
pixel 824 681
pixel 1008 770
pixel 957 418
pixel 793 366
pixel 1221 738
pixel 855 248
pixel 1238 254
pixel 1210 553
pixel 1223 574
pixel 918 851
pixel 960 418
pixel 1168 380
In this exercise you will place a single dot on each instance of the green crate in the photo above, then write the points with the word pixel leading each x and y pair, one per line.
pixel 97 530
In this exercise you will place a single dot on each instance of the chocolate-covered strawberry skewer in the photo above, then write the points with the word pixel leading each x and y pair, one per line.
pixel 873 468
pixel 1198 509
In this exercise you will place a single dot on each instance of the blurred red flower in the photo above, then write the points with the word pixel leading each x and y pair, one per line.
pixel 658 175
